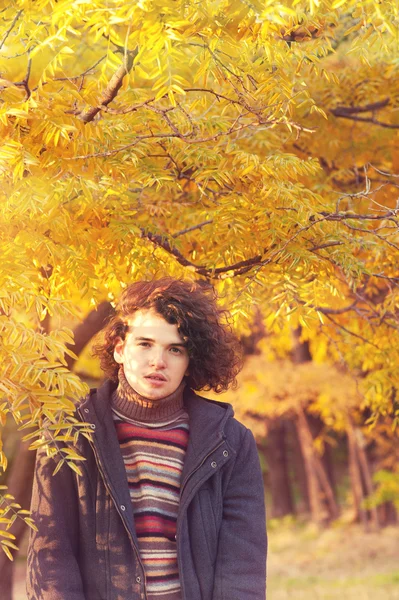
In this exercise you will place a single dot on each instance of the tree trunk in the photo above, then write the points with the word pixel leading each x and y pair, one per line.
pixel 387 514
pixel 89 327
pixel 356 477
pixel 298 461
pixel 361 479
pixel 316 426
pixel 279 480
pixel 366 474
pixel 317 508
pixel 323 505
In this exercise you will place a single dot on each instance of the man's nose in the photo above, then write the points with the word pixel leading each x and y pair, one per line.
pixel 157 359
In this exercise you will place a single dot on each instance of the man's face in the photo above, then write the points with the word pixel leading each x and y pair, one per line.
pixel 153 355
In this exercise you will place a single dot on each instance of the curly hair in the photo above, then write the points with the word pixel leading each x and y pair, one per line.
pixel 213 348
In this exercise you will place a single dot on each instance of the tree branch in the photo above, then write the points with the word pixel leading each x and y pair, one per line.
pixel 187 137
pixel 327 245
pixel 112 88
pixel 25 82
pixel 352 112
pixel 199 226
pixel 390 215
pixel 369 120
pixel 238 268
pixel 324 310
pixel 356 335
pixel 81 74
pixel 85 331
pixel 9 30
pixel 156 136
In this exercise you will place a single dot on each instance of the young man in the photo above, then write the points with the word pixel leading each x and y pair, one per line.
pixel 170 503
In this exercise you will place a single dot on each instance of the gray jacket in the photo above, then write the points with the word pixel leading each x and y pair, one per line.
pixel 86 547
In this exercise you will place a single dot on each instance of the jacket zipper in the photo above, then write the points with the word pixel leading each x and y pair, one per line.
pixel 181 494
pixel 198 467
pixel 118 510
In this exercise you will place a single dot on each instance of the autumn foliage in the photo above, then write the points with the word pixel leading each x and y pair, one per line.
pixel 252 144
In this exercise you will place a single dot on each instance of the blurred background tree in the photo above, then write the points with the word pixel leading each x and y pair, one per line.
pixel 249 144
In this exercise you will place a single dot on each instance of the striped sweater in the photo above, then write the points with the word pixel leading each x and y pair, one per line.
pixel 153 451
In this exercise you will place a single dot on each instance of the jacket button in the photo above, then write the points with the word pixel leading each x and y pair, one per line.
pixel 138 579
pixel 86 410
pixel 92 426
pixel 123 507
pixel 225 453
pixel 214 464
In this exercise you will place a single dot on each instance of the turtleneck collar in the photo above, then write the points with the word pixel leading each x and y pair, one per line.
pixel 128 403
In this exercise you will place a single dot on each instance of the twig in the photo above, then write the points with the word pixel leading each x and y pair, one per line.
pixel 383 172
pixel 256 111
pixel 390 215
pixel 81 74
pixel 327 245
pixel 156 136
pixel 356 335
pixel 217 60
pixel 329 311
pixel 25 82
pixel 199 226
pixel 9 30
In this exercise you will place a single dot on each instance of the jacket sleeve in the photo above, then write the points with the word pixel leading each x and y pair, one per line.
pixel 242 548
pixel 53 571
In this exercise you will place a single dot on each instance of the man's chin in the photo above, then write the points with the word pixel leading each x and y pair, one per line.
pixel 153 393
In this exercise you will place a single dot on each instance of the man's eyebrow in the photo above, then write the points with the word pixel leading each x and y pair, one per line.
pixel 148 339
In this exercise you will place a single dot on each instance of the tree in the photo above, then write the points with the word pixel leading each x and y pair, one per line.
pixel 213 141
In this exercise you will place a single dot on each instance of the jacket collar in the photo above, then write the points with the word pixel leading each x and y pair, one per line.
pixel 207 420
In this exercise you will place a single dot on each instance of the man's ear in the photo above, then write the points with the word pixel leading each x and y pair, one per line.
pixel 118 350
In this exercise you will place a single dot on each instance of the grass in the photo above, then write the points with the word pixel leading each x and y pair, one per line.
pixel 340 563
pixel 305 563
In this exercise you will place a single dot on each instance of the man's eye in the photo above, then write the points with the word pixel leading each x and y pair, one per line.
pixel 176 350
pixel 145 344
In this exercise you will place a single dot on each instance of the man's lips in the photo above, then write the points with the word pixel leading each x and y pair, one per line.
pixel 156 377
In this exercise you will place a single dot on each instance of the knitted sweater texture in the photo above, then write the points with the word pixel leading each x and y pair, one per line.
pixel 153 437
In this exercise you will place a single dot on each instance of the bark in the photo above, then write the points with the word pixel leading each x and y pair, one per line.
pixel 301 350
pixel 316 427
pixel 298 462
pixel 317 510
pixel 361 478
pixel 112 88
pixel 275 451
pixel 387 514
pixel 323 505
pixel 366 475
pixel 356 477
pixel 89 327
pixel 250 342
